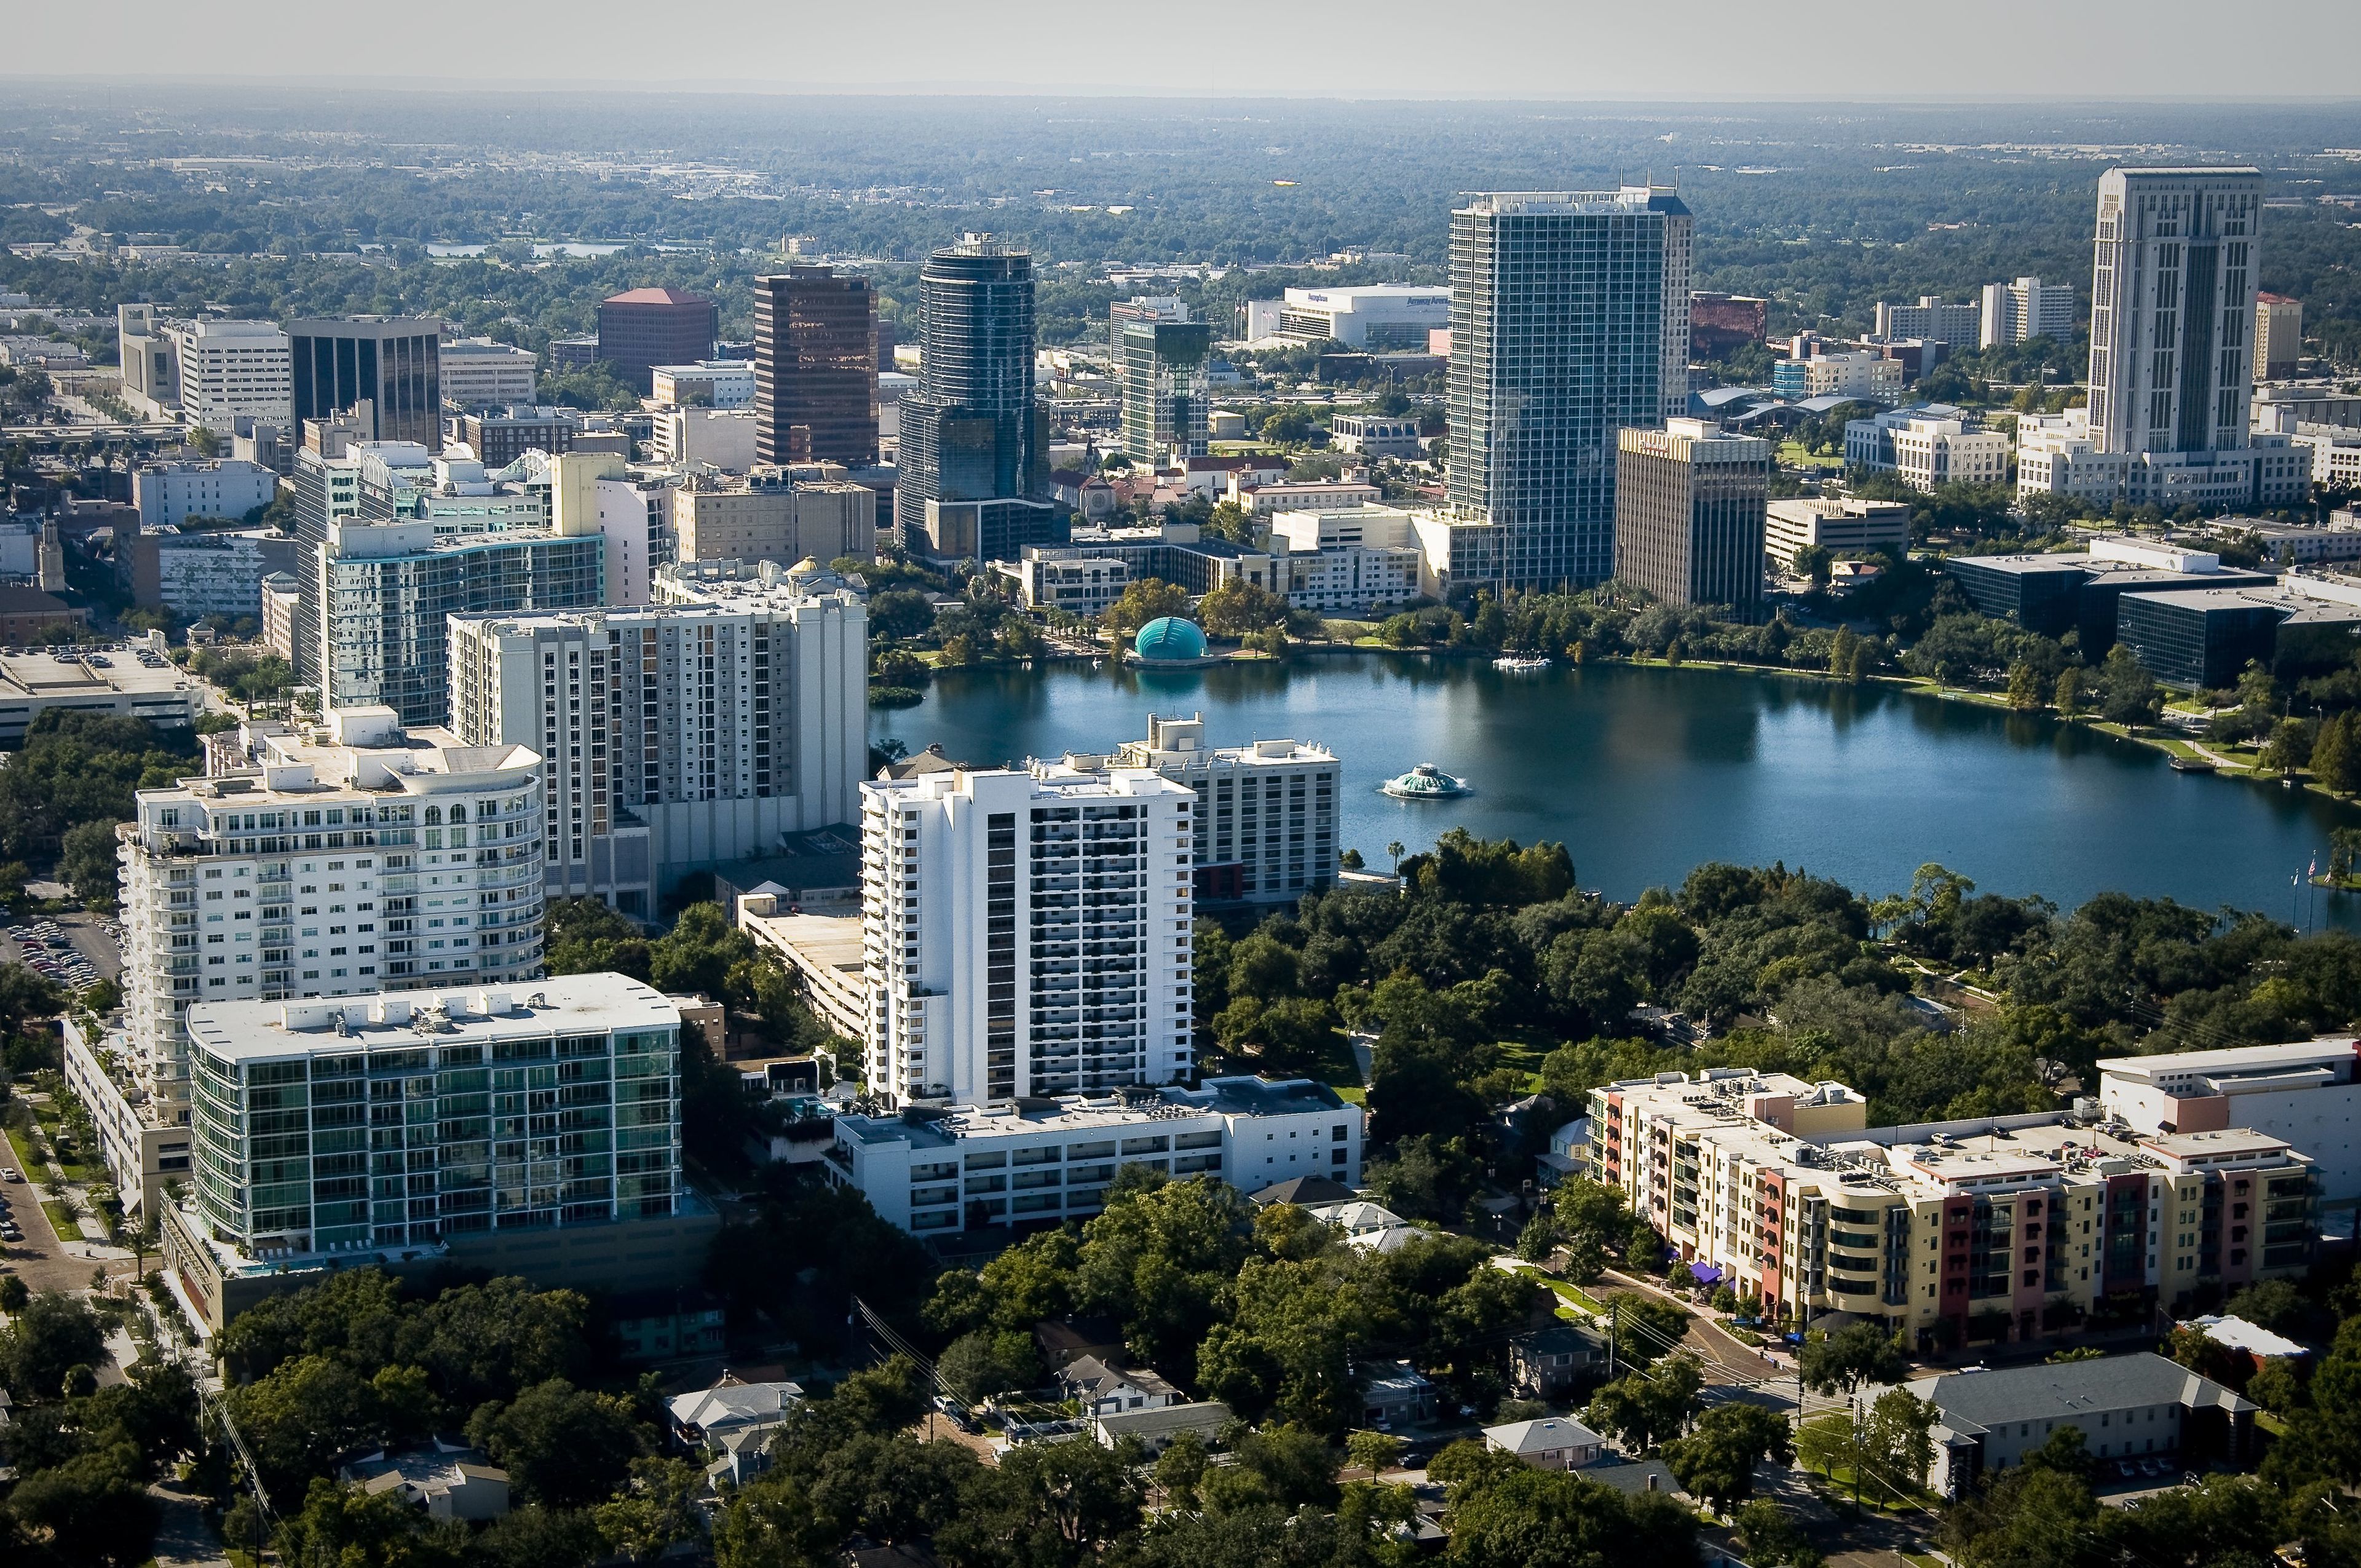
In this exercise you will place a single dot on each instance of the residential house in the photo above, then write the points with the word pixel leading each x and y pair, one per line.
pixel 1553 1442
pixel 1102 1390
pixel 1548 1362
pixel 731 1423
pixel 1396 1394
pixel 449 1482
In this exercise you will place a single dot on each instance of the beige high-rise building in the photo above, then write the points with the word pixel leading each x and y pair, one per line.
pixel 775 514
pixel 1689 514
pixel 2279 337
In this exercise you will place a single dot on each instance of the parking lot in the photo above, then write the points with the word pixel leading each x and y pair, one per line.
pixel 75 951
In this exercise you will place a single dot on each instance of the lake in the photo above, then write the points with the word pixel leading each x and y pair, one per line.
pixel 1645 772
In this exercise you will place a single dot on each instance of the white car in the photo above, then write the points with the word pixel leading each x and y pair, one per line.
pixel 10 1173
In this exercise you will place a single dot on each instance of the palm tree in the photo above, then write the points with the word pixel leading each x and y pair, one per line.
pixel 1395 849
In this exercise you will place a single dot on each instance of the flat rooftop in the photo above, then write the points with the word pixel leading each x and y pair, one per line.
pixel 69 674
pixel 2234 1059
pixel 279 1031
pixel 2296 609
pixel 1239 1096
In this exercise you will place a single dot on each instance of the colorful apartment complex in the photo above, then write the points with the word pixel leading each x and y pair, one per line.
pixel 2004 1227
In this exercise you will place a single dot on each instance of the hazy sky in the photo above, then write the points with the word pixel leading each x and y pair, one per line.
pixel 1572 48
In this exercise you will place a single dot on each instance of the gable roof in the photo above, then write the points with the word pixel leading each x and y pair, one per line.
pixel 1542 1436
pixel 1089 1378
pixel 1976 1402
pixel 732 1403
pixel 1304 1189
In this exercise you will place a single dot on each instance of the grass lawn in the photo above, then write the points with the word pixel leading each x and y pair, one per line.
pixel 1525 1053
pixel 1793 452
pixel 1340 1073
pixel 24 1161
pixel 61 1221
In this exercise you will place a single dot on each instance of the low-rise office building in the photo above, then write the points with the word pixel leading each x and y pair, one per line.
pixel 1358 559
pixel 1932 445
pixel 2202 639
pixel 1838 524
pixel 1078 580
pixel 2082 589
pixel 934 1171
pixel 2008 1227
pixel 773 514
pixel 1376 435
pixel 1868 376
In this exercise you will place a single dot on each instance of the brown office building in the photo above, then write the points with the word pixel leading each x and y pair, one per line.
pixel 814 367
pixel 1689 504
pixel 1720 323
pixel 641 328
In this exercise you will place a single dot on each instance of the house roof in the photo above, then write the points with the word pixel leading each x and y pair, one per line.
pixel 1542 1436
pixel 1208 1416
pixel 1557 1339
pixel 1089 1378
pixel 2253 1338
pixel 1304 1189
pixel 1975 1402
pixel 1628 1476
pixel 733 1403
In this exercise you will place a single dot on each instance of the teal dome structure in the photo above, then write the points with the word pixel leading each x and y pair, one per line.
pixel 1170 640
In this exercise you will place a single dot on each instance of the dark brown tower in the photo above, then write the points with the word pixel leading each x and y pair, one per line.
pixel 814 367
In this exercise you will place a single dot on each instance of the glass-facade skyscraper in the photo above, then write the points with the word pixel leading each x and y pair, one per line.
pixel 1569 321
pixel 973 445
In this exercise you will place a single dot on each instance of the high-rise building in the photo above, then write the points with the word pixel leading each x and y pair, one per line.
pixel 596 492
pixel 1689 503
pixel 1569 321
pixel 1027 932
pixel 386 591
pixel 2025 309
pixel 356 859
pixel 2279 337
pixel 1931 318
pixel 2172 305
pixel 814 367
pixel 673 736
pixel 974 450
pixel 2172 360
pixel 229 369
pixel 477 373
pixel 640 329
pixel 1166 395
pixel 391 364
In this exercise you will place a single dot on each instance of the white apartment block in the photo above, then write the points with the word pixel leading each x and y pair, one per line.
pixel 1263 827
pixel 2025 309
pixel 477 373
pixel 673 736
pixel 168 494
pixel 987 982
pixel 1930 319
pixel 1008 1164
pixel 2333 451
pixel 351 859
pixel 230 370
pixel 2022 1222
pixel 1361 558
pixel 722 383
pixel 1839 524
pixel 2307 1094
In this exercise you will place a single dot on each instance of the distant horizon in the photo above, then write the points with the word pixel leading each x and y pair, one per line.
pixel 758 88
pixel 1476 50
